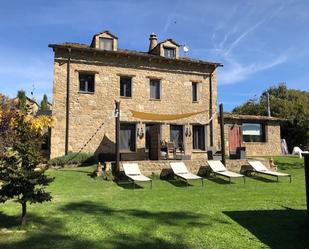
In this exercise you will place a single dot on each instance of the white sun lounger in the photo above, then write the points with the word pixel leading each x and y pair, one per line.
pixel 260 168
pixel 218 168
pixel 180 170
pixel 133 172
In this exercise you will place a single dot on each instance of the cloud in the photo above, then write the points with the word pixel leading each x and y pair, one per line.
pixel 236 72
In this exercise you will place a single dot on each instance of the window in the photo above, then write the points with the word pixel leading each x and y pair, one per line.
pixel 86 82
pixel 169 52
pixel 125 87
pixel 176 135
pixel 253 132
pixel 194 91
pixel 106 44
pixel 198 137
pixel 155 89
pixel 127 137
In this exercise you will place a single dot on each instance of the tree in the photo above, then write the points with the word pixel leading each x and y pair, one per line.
pixel 6 133
pixel 20 175
pixel 44 103
pixel 289 104
pixel 22 101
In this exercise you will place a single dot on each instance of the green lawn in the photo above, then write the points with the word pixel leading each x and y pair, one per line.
pixel 92 213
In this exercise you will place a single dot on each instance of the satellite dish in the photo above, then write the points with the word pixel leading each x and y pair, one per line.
pixel 185 48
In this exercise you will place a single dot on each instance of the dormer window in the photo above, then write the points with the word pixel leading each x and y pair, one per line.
pixel 106 44
pixel 169 52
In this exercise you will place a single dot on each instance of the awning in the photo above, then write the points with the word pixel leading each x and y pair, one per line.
pixel 162 117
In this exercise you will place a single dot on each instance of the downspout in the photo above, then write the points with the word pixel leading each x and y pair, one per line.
pixel 211 127
pixel 67 105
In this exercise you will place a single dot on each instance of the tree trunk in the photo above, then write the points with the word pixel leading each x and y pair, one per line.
pixel 24 213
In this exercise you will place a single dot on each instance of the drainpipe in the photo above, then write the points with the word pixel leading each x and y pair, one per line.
pixel 67 104
pixel 211 128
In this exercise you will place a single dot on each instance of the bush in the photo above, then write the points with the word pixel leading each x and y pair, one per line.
pixel 73 158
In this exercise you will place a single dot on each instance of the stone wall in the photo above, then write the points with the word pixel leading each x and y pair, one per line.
pixel 89 111
pixel 271 146
pixel 197 166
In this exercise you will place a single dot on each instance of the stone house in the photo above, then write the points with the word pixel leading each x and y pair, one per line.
pixel 32 105
pixel 163 97
pixel 260 135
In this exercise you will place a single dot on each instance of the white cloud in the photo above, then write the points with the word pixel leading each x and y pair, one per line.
pixel 235 72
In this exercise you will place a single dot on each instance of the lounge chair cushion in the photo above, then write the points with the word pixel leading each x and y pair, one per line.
pixel 179 168
pixel 133 172
pixel 229 174
pixel 131 169
pixel 139 178
pixel 258 166
pixel 216 166
pixel 189 176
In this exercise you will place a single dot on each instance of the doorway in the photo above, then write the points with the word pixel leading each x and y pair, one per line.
pixel 153 145
pixel 234 138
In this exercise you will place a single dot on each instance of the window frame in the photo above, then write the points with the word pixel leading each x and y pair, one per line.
pixel 196 84
pixel 262 136
pixel 135 138
pixel 204 138
pixel 169 49
pixel 160 92
pixel 131 86
pixel 182 135
pixel 106 39
pixel 86 91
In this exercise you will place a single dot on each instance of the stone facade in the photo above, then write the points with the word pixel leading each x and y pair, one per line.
pixel 89 110
pixel 271 146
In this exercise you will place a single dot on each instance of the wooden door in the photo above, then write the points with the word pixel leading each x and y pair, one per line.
pixel 234 138
pixel 154 146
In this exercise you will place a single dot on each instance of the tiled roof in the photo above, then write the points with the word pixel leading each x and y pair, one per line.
pixel 80 46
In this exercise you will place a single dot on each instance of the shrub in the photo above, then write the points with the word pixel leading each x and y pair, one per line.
pixel 73 158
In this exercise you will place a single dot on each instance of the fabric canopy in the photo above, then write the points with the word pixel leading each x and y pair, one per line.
pixel 162 117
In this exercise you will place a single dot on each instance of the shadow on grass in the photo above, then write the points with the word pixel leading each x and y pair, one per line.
pixel 51 232
pixel 179 183
pixel 219 180
pixel 129 185
pixel 9 221
pixel 263 179
pixel 48 233
pixel 276 228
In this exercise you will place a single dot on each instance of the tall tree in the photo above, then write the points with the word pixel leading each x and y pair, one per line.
pixel 289 104
pixel 44 103
pixel 20 175
pixel 22 101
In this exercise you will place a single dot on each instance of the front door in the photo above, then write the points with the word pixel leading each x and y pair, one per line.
pixel 234 138
pixel 154 142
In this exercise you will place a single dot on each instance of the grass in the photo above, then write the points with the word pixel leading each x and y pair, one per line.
pixel 92 213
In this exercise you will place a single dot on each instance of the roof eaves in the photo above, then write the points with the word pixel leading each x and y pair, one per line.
pixel 131 52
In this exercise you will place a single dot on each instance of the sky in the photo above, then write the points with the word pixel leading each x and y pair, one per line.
pixel 260 43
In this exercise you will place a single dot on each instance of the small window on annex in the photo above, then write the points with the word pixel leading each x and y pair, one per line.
pixel 155 89
pixel 86 82
pixel 125 86
pixel 253 132
pixel 106 44
pixel 169 52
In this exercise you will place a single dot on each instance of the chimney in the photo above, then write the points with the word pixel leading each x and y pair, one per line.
pixel 153 41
